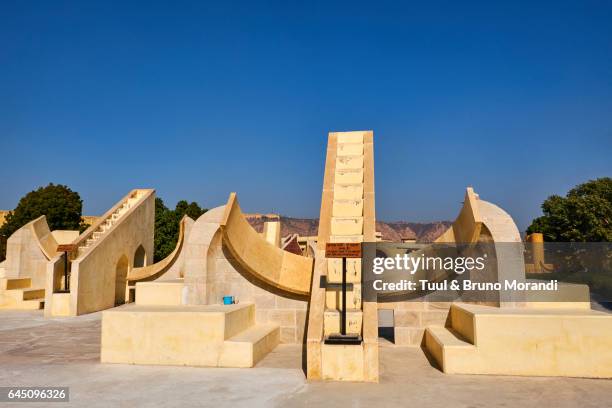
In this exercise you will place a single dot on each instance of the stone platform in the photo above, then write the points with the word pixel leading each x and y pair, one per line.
pixel 531 342
pixel 209 336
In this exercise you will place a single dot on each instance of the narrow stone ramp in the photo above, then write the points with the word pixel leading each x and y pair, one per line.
pixel 168 268
pixel 283 270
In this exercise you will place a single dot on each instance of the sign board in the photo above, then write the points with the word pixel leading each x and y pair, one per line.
pixel 66 248
pixel 342 250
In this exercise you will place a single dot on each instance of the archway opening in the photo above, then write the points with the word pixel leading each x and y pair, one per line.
pixel 140 257
pixel 121 272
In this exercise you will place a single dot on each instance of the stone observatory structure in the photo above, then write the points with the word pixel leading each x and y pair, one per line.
pixel 227 295
pixel 70 274
pixel 179 316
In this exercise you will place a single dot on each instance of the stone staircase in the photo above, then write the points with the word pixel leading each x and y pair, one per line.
pixel 17 293
pixel 158 329
pixel 345 362
pixel 523 341
pixel 108 223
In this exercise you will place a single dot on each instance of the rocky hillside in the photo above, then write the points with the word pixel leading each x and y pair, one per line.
pixel 392 231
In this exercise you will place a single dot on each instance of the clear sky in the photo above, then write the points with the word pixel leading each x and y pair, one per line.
pixel 199 99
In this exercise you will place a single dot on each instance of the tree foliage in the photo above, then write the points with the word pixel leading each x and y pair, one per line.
pixel 583 215
pixel 62 207
pixel 167 225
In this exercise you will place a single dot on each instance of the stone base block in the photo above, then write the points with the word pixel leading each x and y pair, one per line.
pixel 211 336
pixel 342 363
pixel 523 341
pixel 60 304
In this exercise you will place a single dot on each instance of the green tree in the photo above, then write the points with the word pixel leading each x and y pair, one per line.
pixel 164 230
pixel 193 210
pixel 583 215
pixel 62 207
pixel 167 225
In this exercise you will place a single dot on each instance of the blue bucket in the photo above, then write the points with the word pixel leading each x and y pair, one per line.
pixel 228 300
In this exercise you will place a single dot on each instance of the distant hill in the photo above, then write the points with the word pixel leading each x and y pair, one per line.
pixel 421 231
pixel 392 231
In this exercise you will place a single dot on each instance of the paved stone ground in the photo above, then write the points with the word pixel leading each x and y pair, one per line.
pixel 65 352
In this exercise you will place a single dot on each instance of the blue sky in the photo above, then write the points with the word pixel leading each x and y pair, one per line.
pixel 198 99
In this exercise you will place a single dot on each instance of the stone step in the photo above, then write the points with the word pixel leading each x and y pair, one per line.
pixel 31 294
pixel 347 208
pixel 349 149
pixel 349 162
pixel 353 191
pixel 349 137
pixel 248 347
pixel 26 294
pixel 347 225
pixel 35 304
pixel 348 176
pixel 15 283
pixel 445 345
pixel 462 322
